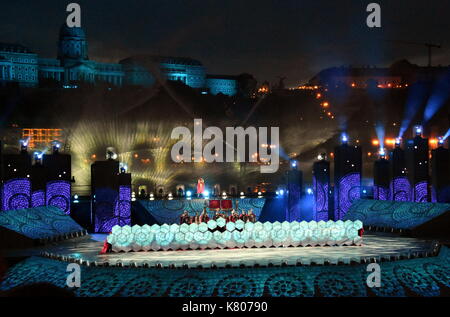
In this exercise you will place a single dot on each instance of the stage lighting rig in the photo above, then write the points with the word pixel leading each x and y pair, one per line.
pixel 344 138
pixel 55 147
pixel 418 129
pixel 24 146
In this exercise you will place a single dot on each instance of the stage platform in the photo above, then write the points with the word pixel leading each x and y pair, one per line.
pixel 376 247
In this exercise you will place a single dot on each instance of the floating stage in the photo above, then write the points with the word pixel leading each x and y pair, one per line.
pixel 409 266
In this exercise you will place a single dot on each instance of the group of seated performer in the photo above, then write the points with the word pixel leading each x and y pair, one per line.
pixel 203 217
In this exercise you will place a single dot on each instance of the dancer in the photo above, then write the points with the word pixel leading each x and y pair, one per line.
pixel 204 216
pixel 243 216
pixel 184 218
pixel 200 187
pixel 251 216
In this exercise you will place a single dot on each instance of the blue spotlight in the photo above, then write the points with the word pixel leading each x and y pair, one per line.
pixel 344 138
pixel 447 135
pixel 441 140
pixel 380 132
pixel 206 194
pixel 294 164
pixel 188 193
pixel 441 93
pixel 398 141
pixel 417 95
pixel 382 153
pixel 281 192
pixel 309 191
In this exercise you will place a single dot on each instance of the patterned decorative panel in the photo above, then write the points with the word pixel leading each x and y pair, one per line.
pixel 38 198
pixel 394 214
pixel 58 195
pixel 381 193
pixel 39 222
pixel 320 200
pixel 421 192
pixel 16 194
pixel 401 189
pixel 112 209
pixel 349 190
pixel 414 277
pixel 105 209
pixel 123 206
pixel 169 211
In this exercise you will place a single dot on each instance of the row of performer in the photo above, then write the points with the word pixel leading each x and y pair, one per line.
pixel 204 217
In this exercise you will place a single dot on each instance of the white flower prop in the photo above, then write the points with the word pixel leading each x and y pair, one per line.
pixel 193 227
pixel 174 228
pixel 143 238
pixel 260 236
pixel 240 224
pixel 239 234
pixel 218 239
pixel 240 237
pixel 298 235
pixel 230 226
pixel 212 224
pixel 203 227
pixel 183 237
pixel 268 226
pixel 116 229
pixel 123 239
pixel 184 228
pixel 249 226
pixel 155 228
pixel 221 222
pixel 279 235
pixel 164 237
pixel 202 238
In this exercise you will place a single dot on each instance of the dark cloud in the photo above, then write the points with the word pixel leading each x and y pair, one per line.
pixel 268 38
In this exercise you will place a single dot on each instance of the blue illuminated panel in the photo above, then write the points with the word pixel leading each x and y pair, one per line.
pixel 16 194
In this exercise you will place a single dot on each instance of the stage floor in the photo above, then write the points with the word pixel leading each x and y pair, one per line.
pixel 379 246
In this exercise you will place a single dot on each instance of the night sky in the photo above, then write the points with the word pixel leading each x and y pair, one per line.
pixel 292 38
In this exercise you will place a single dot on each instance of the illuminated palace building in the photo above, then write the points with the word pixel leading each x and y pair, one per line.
pixel 20 65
